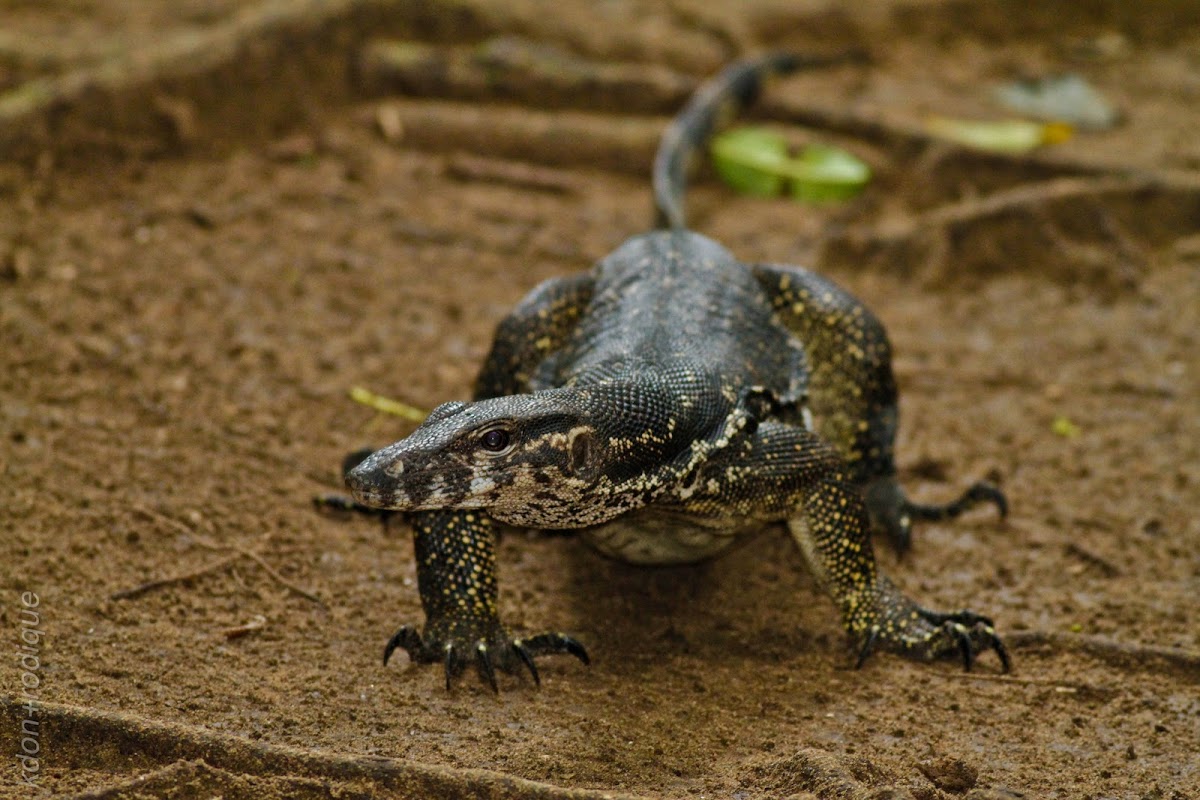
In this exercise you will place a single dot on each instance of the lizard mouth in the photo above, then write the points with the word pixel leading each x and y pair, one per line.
pixel 365 489
pixel 378 499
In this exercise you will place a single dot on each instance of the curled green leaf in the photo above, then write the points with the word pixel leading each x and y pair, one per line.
pixel 750 160
pixel 823 173
pixel 756 161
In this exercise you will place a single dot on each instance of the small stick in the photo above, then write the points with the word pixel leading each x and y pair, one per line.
pixel 158 516
pixel 253 555
pixel 257 559
pixel 238 631
pixel 182 577
pixel 206 542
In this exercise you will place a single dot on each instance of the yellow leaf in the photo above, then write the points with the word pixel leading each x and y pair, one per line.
pixel 999 136
pixel 387 405
pixel 1061 426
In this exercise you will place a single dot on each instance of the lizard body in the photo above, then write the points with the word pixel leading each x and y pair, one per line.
pixel 665 403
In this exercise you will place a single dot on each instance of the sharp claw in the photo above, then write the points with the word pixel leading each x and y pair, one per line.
pixel 961 625
pixel 575 649
pixel 552 643
pixel 484 662
pixel 456 654
pixel 406 638
pixel 902 539
pixel 964 645
pixel 1001 650
pixel 556 643
pixel 391 646
pixel 980 492
pixel 449 665
pixel 1000 500
pixel 867 648
pixel 522 653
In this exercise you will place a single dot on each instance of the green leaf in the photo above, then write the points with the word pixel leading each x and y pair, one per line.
pixel 824 173
pixel 750 160
pixel 756 161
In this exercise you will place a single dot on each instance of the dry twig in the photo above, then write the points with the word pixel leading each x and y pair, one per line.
pixel 208 543
pixel 238 631
pixel 182 577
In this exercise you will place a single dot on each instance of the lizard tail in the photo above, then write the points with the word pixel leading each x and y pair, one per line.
pixel 713 105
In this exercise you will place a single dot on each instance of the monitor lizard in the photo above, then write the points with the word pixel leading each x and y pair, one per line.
pixel 663 404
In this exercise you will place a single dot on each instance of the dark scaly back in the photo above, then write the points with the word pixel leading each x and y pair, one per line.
pixel 711 107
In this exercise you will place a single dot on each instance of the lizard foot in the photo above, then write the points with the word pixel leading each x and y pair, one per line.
pixel 483 642
pixel 892 513
pixel 901 625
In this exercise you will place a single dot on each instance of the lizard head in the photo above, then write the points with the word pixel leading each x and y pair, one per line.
pixel 529 459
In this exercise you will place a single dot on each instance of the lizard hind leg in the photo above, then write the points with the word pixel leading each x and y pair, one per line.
pixel 892 513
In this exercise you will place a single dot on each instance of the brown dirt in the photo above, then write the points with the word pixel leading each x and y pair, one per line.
pixel 184 308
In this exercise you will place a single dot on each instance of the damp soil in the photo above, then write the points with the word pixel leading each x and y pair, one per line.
pixel 181 329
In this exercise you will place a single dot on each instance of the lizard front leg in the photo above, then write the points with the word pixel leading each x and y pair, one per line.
pixel 455 550
pixel 456 577
pixel 832 533
pixel 782 471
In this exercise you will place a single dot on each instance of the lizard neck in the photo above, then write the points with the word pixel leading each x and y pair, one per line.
pixel 646 422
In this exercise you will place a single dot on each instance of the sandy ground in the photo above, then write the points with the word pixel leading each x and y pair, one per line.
pixel 181 323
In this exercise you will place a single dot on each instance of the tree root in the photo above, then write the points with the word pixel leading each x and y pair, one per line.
pixel 87 738
pixel 177 778
pixel 1096 230
pixel 1116 654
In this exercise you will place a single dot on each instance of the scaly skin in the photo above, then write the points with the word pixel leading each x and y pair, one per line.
pixel 663 404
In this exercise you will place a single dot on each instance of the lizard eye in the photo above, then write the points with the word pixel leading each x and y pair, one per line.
pixel 495 440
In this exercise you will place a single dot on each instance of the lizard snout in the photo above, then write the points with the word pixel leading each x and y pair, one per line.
pixel 373 481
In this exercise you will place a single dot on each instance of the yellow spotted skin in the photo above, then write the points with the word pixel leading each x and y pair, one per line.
pixel 456 577
pixel 851 391
pixel 536 328
pixel 665 403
